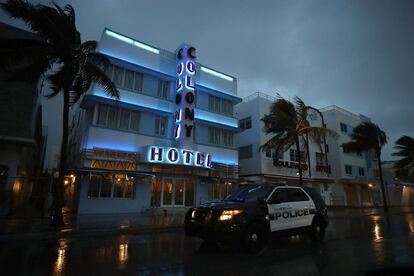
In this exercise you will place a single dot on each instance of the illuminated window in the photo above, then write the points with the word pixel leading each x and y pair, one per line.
pixel 111 186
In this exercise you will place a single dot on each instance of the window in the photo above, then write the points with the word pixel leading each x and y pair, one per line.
pixel 124 78
pixel 361 171
pixel 111 186
pixel 250 193
pixel 348 169
pixel 220 105
pixel 279 196
pixel 344 128
pixel 320 158
pixel 125 119
pixel 294 156
pixel 112 117
pixel 218 136
pixel 245 123
pixel 163 89
pixel 102 114
pixel 327 148
pixel 295 195
pixel 161 125
pixel 272 154
pixel 118 76
pixel 219 190
pixel 115 117
pixel 246 152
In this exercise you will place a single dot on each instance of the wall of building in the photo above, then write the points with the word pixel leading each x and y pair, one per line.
pixel 141 202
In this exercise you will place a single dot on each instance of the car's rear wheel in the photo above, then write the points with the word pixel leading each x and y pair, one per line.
pixel 255 238
pixel 317 231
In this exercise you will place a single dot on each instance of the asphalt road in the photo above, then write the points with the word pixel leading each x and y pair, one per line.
pixel 352 247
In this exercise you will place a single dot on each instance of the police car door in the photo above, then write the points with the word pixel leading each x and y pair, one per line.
pixel 302 207
pixel 278 207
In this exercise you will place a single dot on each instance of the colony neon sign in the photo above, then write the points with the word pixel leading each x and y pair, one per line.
pixel 185 97
pixel 177 156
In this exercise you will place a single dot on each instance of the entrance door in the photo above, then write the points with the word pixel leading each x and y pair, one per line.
pixel 173 192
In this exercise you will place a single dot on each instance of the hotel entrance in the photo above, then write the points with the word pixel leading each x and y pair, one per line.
pixel 172 192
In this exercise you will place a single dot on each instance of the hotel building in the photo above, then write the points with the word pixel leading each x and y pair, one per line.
pixel 266 167
pixel 167 142
pixel 356 184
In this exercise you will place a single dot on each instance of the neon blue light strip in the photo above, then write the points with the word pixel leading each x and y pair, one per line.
pixel 140 103
pixel 132 42
pixel 215 73
pixel 224 161
pixel 220 121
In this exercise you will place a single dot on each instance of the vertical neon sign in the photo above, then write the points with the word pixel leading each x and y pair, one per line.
pixel 185 95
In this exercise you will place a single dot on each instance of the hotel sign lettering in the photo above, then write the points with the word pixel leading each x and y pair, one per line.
pixel 177 156
pixel 291 165
pixel 185 95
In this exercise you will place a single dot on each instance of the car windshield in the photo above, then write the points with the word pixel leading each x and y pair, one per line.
pixel 250 193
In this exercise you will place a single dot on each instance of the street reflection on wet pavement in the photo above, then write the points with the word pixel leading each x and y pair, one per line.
pixel 352 247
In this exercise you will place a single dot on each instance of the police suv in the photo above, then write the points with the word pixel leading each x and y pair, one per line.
pixel 253 212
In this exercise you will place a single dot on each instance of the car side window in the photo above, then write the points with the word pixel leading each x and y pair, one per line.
pixel 295 194
pixel 278 196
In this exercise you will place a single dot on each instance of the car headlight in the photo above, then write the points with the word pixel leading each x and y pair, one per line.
pixel 229 214
pixel 193 214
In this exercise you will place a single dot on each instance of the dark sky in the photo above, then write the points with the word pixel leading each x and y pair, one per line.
pixel 358 55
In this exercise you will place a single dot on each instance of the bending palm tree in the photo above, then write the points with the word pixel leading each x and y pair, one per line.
pixel 71 66
pixel 288 123
pixel 405 145
pixel 368 136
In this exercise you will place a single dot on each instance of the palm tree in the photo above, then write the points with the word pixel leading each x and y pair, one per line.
pixel 69 65
pixel 368 136
pixel 288 124
pixel 405 145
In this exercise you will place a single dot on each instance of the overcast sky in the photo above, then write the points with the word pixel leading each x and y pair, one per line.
pixel 358 55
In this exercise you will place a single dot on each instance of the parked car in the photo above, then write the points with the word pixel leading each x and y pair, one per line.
pixel 253 212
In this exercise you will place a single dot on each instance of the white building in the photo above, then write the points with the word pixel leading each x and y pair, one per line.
pixel 168 141
pixel 354 173
pixel 265 167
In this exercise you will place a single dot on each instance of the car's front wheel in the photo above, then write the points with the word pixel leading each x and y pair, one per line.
pixel 255 238
pixel 317 230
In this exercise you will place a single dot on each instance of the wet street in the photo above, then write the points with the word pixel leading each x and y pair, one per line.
pixel 352 247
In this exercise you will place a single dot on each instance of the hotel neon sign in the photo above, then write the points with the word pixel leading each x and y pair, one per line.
pixel 177 156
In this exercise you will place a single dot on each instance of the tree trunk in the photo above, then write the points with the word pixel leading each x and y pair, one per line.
pixel 58 189
pixel 300 160
pixel 384 196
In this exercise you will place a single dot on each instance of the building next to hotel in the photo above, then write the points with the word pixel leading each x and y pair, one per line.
pixel 167 142
pixel 356 181
pixel 267 167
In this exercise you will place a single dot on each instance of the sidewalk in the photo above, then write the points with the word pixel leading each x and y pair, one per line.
pixel 12 228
